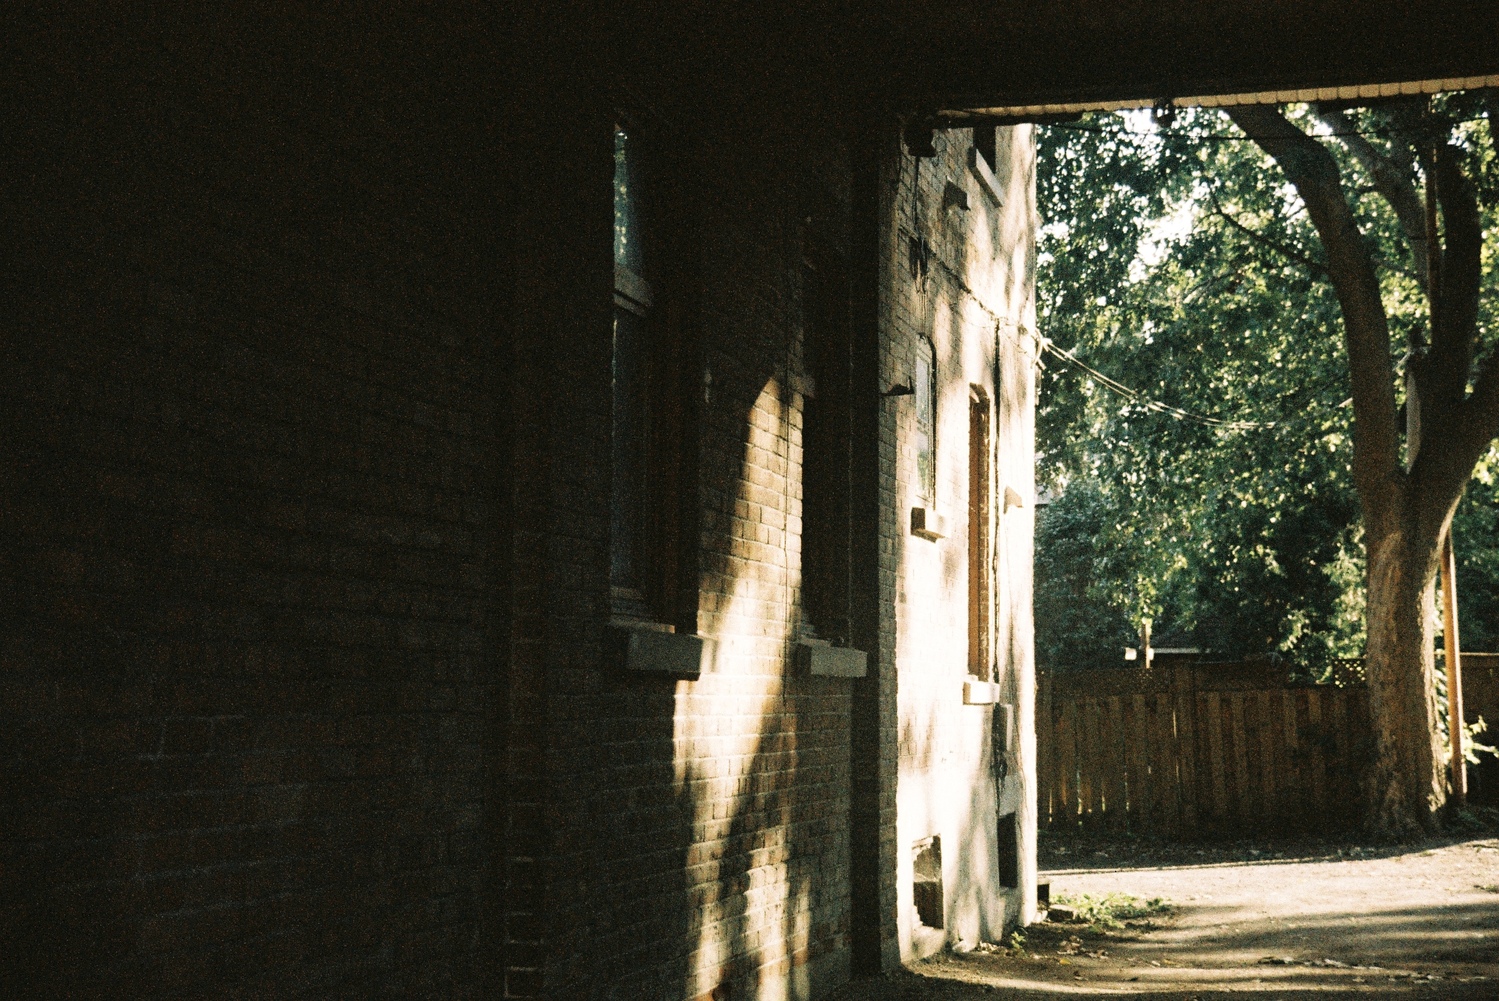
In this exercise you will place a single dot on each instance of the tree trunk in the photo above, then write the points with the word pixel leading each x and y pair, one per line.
pixel 1406 510
pixel 1405 785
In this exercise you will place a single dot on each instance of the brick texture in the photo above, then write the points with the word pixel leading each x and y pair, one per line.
pixel 250 488
pixel 690 838
pixel 308 685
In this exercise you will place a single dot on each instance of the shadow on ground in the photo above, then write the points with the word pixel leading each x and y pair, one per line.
pixel 1367 922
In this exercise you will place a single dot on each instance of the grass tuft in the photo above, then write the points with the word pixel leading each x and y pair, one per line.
pixel 1111 910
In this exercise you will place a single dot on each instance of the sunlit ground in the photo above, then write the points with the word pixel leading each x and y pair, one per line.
pixel 1319 921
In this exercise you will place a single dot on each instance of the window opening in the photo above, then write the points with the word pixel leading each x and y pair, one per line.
pixel 1008 839
pixel 926 881
pixel 984 142
pixel 652 437
pixel 631 311
pixel 926 422
pixel 826 449
pixel 980 491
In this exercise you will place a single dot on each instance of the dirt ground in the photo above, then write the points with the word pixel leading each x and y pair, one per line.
pixel 1286 920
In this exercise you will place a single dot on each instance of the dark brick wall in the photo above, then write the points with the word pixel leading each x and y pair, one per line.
pixel 250 486
pixel 307 683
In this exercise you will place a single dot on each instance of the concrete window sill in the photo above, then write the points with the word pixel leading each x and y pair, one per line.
pixel 980 693
pixel 820 658
pixel 653 648
pixel 927 524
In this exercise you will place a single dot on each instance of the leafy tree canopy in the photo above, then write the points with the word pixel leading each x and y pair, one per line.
pixel 1181 263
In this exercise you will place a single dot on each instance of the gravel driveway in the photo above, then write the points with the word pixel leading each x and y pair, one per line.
pixel 1252 921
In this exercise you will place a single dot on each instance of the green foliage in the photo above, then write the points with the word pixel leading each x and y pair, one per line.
pixel 1111 910
pixel 1182 264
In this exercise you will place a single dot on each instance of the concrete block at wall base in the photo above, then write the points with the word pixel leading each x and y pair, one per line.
pixel 658 651
pixel 980 693
pixel 928 524
pixel 825 660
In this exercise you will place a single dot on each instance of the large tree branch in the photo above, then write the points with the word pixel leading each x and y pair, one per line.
pixel 1290 253
pixel 1482 417
pixel 1455 313
pixel 1458 428
pixel 1314 173
pixel 1392 179
pixel 1453 448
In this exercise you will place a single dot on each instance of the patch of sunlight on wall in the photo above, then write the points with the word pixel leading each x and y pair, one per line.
pixel 716 726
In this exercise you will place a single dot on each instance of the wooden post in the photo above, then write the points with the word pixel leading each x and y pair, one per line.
pixel 1454 671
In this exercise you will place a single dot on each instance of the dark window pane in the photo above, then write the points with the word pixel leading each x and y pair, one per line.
pixel 629 441
pixel 626 216
pixel 825 453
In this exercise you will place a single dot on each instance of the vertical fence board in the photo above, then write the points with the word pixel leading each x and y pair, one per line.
pixel 1153 818
pixel 1138 784
pixel 1165 763
pixel 1184 697
pixel 1318 757
pixel 1045 741
pixel 1102 759
pixel 1087 724
pixel 1066 755
pixel 1295 802
pixel 1115 781
pixel 1268 757
pixel 1095 762
pixel 1099 741
pixel 1211 717
pixel 1244 808
pixel 1343 803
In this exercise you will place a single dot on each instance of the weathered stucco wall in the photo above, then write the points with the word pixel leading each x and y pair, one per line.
pixel 970 293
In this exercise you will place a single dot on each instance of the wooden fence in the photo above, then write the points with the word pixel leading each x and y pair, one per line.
pixel 1481 699
pixel 1191 748
pixel 1481 690
pixel 1200 749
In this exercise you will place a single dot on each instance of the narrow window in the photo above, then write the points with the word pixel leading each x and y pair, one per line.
pixel 632 309
pixel 926 422
pixel 1008 837
pixel 980 490
pixel 652 438
pixel 826 449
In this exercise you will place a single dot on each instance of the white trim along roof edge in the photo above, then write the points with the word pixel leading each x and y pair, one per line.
pixel 1355 92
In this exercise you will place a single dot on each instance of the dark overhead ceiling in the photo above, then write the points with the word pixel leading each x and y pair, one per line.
pixel 967 53
pixel 1088 50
